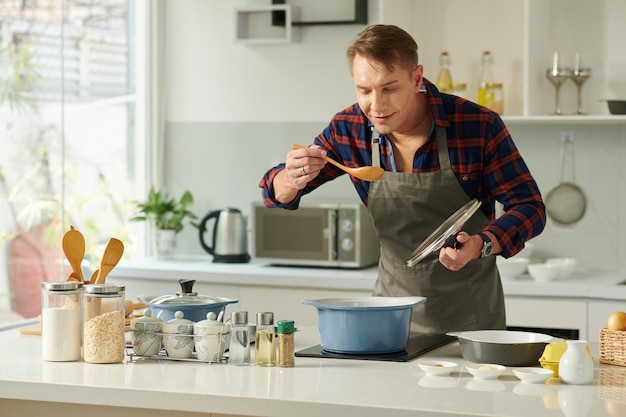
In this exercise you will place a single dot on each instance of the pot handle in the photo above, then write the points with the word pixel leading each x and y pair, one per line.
pixel 202 227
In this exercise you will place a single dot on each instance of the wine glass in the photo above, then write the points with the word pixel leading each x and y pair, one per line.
pixel 580 74
pixel 557 75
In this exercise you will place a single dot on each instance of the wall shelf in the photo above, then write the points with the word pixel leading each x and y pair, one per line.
pixel 359 17
pixel 253 25
pixel 565 120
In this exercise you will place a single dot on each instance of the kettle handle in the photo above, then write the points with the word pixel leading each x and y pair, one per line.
pixel 202 227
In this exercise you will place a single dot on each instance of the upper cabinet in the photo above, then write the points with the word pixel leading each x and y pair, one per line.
pixel 522 36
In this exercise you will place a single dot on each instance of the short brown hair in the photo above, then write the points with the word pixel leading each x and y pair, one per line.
pixel 387 44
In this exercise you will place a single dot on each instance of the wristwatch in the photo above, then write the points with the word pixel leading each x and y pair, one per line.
pixel 487 245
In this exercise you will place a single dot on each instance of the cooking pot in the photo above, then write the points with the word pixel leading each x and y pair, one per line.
pixel 194 306
pixel 364 325
pixel 503 347
pixel 229 242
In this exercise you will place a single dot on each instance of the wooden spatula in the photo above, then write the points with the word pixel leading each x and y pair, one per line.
pixel 366 173
pixel 112 255
pixel 74 248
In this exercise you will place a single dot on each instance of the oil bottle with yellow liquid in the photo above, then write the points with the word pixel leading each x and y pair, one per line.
pixel 486 77
pixel 444 79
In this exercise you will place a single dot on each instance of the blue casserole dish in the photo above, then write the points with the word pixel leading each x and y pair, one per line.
pixel 364 325
pixel 194 306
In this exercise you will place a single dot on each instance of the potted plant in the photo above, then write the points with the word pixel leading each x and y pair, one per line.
pixel 167 215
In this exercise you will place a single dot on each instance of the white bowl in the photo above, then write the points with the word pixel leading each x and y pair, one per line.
pixel 485 370
pixel 437 368
pixel 566 266
pixel 543 272
pixel 533 375
pixel 512 266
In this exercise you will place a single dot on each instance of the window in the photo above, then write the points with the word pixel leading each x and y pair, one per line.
pixel 68 150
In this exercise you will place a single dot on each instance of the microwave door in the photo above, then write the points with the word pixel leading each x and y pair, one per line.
pixel 303 236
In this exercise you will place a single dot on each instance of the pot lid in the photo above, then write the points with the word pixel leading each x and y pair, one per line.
pixel 187 296
pixel 365 303
pixel 447 229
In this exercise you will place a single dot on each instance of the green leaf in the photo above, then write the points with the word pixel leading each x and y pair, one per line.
pixel 166 213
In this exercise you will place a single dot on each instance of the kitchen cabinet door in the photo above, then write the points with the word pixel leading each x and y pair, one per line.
pixel 547 313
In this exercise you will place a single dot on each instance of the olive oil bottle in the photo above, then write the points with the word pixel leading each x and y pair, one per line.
pixel 265 341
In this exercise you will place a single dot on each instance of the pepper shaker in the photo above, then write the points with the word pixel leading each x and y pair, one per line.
pixel 285 344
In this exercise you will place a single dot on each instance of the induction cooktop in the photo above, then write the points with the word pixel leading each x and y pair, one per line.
pixel 417 346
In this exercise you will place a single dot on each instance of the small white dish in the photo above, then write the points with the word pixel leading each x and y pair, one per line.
pixel 566 266
pixel 437 368
pixel 485 370
pixel 543 272
pixel 533 375
pixel 511 267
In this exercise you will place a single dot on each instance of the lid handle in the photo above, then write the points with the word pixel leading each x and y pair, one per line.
pixel 186 285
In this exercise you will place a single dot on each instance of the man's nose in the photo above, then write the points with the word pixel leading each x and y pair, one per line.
pixel 378 102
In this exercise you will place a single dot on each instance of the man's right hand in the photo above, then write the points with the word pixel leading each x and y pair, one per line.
pixel 301 166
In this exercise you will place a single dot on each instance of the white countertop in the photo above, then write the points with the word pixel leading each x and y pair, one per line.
pixel 314 387
pixel 582 284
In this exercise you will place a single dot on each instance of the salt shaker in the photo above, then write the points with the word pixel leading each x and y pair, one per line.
pixel 239 350
pixel 103 327
pixel 265 342
pixel 285 344
pixel 61 309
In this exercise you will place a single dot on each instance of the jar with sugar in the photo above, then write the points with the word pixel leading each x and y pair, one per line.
pixel 61 309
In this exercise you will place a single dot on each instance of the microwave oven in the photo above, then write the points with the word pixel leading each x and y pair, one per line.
pixel 337 235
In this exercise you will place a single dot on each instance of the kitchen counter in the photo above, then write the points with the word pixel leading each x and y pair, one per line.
pixel 314 387
pixel 582 284
pixel 579 303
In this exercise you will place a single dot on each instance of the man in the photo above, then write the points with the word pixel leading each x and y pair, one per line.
pixel 439 151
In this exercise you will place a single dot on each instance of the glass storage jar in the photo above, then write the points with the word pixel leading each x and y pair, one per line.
pixel 103 325
pixel 61 309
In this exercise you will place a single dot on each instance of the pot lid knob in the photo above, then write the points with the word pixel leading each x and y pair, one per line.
pixel 186 286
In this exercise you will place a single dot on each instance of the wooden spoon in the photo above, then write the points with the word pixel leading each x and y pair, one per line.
pixel 367 173
pixel 74 249
pixel 112 255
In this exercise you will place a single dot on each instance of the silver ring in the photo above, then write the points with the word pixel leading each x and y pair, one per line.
pixel 302 171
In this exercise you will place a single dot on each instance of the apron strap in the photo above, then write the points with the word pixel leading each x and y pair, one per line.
pixel 442 146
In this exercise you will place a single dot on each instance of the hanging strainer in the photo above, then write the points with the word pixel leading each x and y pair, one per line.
pixel 566 203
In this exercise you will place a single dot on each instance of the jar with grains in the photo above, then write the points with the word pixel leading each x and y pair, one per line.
pixel 61 309
pixel 103 324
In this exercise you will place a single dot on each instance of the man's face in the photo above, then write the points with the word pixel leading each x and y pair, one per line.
pixel 388 99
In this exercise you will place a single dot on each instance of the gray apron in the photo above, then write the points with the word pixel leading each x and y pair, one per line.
pixel 405 209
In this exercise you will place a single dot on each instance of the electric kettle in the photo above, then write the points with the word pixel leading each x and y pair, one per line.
pixel 229 243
